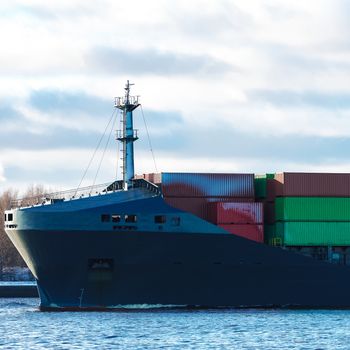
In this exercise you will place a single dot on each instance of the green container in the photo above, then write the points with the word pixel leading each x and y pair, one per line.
pixel 269 234
pixel 313 233
pixel 260 186
pixel 312 209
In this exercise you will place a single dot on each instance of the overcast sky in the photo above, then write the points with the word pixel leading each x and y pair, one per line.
pixel 226 86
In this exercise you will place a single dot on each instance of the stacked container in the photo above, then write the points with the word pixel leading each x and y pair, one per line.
pixel 265 193
pixel 206 194
pixel 242 219
pixel 206 185
pixel 313 185
pixel 312 209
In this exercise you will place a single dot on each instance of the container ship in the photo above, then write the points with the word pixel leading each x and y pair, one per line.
pixel 188 239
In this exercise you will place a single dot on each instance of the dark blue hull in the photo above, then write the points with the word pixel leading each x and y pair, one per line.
pixel 175 269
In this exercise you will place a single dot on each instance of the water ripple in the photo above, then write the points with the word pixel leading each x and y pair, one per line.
pixel 23 327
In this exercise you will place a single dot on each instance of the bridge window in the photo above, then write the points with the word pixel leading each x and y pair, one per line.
pixel 10 217
pixel 5 217
pixel 130 218
pixel 160 219
pixel 116 218
pixel 105 218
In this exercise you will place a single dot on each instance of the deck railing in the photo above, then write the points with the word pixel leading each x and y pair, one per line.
pixel 83 192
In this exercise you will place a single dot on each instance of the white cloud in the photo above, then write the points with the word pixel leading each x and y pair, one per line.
pixel 2 173
pixel 271 45
pixel 58 169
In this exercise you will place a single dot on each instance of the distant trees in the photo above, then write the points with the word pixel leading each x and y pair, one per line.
pixel 8 253
pixel 9 256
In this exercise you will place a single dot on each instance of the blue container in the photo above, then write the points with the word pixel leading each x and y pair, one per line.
pixel 207 185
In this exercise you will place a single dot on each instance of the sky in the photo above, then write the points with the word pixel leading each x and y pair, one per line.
pixel 226 86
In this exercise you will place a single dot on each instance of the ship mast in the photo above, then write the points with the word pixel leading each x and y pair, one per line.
pixel 128 135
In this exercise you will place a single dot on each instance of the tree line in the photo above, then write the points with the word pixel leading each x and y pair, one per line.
pixel 9 256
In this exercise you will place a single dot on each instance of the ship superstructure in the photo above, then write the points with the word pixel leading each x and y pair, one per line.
pixel 133 242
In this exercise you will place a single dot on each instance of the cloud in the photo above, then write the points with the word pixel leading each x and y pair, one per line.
pixel 217 20
pixel 42 10
pixel 56 119
pixel 59 112
pixel 55 167
pixel 8 113
pixel 229 86
pixel 228 142
pixel 54 138
pixel 160 124
pixel 47 109
pixel 288 98
pixel 51 118
pixel 2 173
pixel 50 100
pixel 37 12
pixel 163 118
pixel 153 62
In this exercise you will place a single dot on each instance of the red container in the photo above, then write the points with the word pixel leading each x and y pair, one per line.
pixel 272 188
pixel 313 184
pixel 235 213
pixel 198 206
pixel 155 178
pixel 252 232
pixel 207 185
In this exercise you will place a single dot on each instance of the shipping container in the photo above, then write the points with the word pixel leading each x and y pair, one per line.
pixel 252 232
pixel 199 205
pixel 269 234
pixel 312 209
pixel 235 213
pixel 263 184
pixel 269 212
pixel 195 206
pixel 207 185
pixel 260 186
pixel 155 178
pixel 273 187
pixel 313 233
pixel 313 184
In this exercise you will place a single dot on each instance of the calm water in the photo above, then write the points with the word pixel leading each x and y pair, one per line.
pixel 22 326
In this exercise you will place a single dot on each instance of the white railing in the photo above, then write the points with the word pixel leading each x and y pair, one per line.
pixel 83 192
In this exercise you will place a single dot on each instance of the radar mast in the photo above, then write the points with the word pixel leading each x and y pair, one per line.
pixel 127 135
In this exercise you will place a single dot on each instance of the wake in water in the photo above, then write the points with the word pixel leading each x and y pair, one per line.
pixel 17 303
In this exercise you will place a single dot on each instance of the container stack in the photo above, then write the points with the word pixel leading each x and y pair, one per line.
pixel 265 193
pixel 312 209
pixel 208 185
pixel 241 219
pixel 289 209
pixel 205 195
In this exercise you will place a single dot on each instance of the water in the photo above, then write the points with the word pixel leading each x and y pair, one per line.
pixel 17 283
pixel 22 326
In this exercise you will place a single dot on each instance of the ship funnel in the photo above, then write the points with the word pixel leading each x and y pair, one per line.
pixel 127 135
